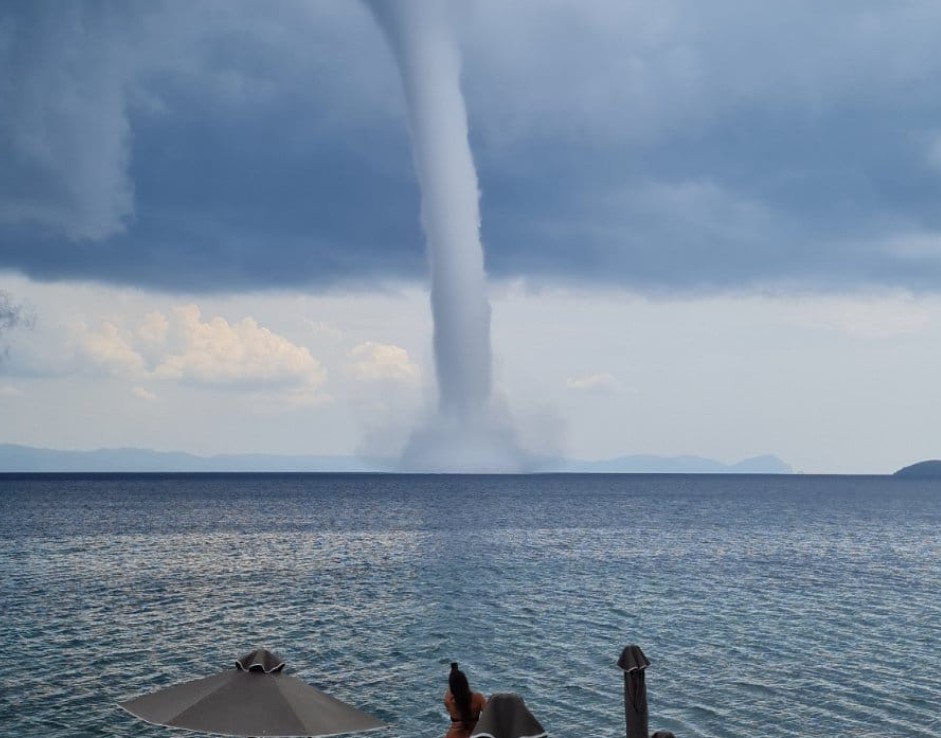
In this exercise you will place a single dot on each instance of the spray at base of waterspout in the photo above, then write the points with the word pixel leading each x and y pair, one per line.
pixel 478 445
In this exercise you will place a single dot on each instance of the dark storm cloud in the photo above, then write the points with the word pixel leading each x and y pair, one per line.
pixel 661 146
pixel 64 132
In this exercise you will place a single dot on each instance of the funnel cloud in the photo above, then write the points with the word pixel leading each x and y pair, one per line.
pixel 466 434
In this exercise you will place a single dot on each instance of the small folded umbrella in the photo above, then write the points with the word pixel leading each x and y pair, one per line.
pixel 506 716
pixel 253 699
pixel 633 662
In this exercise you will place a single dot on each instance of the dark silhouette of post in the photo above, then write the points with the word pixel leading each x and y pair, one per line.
pixel 633 663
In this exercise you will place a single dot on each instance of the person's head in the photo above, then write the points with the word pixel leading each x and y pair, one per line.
pixel 457 680
pixel 460 690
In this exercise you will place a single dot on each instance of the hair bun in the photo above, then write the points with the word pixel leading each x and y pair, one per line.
pixel 454 666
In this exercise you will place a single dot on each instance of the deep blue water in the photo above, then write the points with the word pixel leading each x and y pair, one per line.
pixel 768 606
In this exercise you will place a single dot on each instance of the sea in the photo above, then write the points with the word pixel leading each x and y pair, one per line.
pixel 767 605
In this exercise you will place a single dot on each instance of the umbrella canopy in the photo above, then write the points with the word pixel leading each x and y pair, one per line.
pixel 253 699
pixel 506 716
pixel 633 663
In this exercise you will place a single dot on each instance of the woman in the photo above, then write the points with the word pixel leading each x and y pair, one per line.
pixel 462 704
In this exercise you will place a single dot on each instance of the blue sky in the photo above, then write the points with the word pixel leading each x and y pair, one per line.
pixel 709 229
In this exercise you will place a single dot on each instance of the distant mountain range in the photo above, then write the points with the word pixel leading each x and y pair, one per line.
pixel 14 458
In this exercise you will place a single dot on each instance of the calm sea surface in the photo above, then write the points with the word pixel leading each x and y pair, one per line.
pixel 768 606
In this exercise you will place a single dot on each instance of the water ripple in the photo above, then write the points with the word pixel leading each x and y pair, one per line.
pixel 772 607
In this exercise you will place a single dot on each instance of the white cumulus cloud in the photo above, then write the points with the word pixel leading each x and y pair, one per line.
pixel 154 328
pixel 142 393
pixel 111 348
pixel 218 352
pixel 189 349
pixel 602 383
pixel 372 362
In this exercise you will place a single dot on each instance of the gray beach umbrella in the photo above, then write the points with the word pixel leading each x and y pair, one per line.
pixel 506 716
pixel 633 663
pixel 252 699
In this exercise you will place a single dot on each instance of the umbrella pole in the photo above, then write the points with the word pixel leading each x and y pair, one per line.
pixel 635 704
pixel 633 663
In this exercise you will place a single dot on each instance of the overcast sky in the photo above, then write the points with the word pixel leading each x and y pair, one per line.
pixel 710 228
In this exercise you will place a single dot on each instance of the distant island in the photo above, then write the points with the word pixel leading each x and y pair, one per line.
pixel 923 469
pixel 15 458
